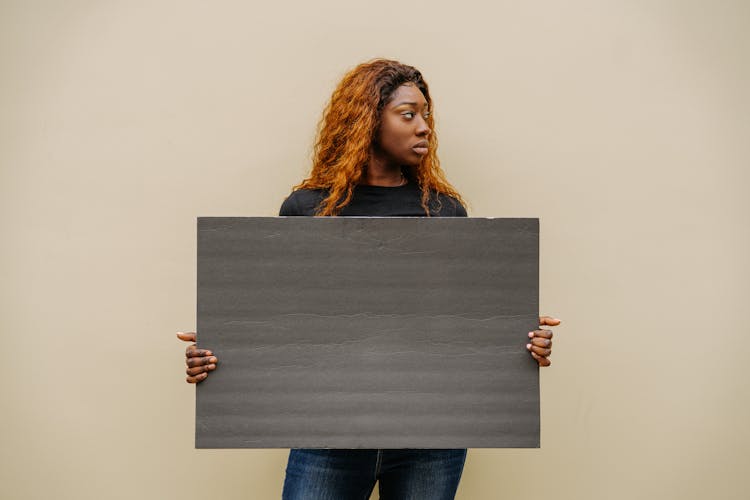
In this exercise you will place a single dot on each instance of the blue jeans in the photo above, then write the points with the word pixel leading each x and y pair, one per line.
pixel 404 474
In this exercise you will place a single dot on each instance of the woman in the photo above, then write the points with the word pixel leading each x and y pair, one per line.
pixel 375 155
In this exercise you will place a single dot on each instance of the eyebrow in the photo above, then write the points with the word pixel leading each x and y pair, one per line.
pixel 412 103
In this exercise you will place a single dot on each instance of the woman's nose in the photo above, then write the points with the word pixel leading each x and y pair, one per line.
pixel 422 127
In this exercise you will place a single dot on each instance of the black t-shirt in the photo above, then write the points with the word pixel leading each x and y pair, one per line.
pixel 375 201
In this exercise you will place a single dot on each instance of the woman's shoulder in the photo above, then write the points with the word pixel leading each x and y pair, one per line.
pixel 302 202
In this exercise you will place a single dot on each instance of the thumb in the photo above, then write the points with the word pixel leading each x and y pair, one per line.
pixel 547 320
pixel 186 336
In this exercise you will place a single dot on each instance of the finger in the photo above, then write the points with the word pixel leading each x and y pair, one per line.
pixel 539 350
pixel 541 360
pixel 193 351
pixel 548 320
pixel 197 378
pixel 547 334
pixel 200 361
pixel 541 342
pixel 186 336
pixel 200 369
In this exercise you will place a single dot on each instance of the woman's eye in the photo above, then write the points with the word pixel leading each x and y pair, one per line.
pixel 411 114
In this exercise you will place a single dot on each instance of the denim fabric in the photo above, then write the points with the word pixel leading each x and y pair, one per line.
pixel 403 474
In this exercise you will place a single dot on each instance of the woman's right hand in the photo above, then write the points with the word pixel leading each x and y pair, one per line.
pixel 199 361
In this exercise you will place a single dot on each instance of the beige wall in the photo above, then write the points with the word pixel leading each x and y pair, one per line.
pixel 623 125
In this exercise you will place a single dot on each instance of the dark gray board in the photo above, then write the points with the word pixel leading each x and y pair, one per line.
pixel 358 332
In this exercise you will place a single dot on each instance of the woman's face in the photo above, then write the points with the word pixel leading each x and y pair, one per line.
pixel 402 138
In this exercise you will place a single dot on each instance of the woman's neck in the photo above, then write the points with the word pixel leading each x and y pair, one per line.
pixel 380 173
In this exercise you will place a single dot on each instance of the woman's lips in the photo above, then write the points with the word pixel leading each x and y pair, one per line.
pixel 420 148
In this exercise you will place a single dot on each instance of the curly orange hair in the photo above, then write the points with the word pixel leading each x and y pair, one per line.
pixel 348 127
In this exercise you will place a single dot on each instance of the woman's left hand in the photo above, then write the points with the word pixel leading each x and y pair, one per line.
pixel 540 345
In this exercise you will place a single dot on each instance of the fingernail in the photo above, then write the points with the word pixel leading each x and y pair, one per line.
pixel 212 360
pixel 211 367
pixel 531 334
pixel 208 353
pixel 528 346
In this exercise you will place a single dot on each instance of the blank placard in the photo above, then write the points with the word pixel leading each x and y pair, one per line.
pixel 360 332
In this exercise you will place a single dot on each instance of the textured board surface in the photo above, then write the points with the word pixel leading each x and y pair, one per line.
pixel 359 332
